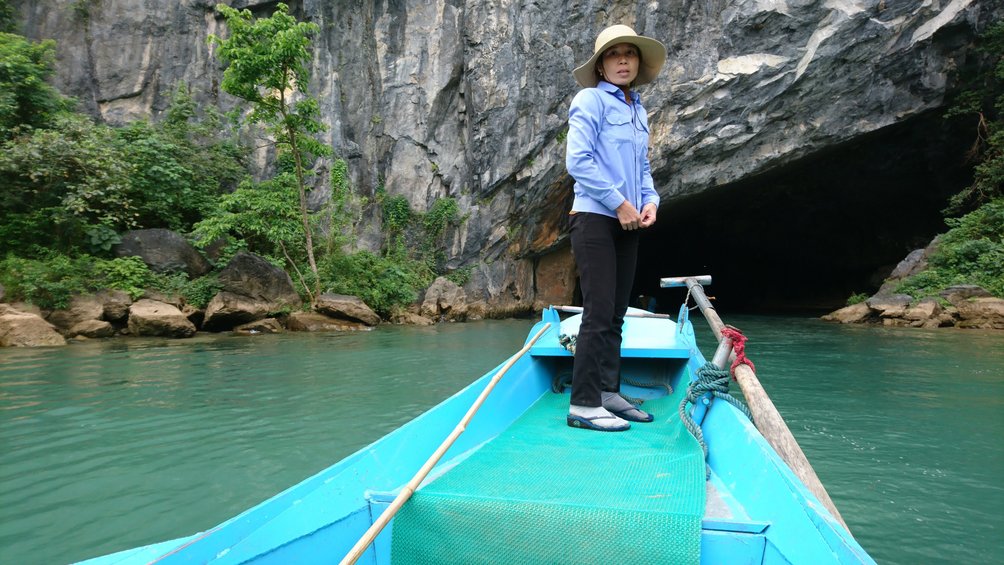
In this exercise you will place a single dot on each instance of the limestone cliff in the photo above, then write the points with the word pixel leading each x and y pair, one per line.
pixel 469 98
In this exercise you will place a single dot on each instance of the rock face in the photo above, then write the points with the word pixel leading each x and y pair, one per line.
pixel 469 98
pixel 22 329
pixel 164 251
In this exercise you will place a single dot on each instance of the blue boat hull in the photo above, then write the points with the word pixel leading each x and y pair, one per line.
pixel 757 511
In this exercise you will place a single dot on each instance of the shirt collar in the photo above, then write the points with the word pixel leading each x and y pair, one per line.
pixel 616 91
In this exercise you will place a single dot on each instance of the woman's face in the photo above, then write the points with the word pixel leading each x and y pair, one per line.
pixel 619 64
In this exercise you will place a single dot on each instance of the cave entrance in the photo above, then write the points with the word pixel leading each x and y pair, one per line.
pixel 805 237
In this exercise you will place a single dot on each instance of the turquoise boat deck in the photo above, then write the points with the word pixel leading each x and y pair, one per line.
pixel 542 492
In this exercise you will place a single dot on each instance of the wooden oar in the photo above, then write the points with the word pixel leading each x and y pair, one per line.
pixel 410 488
pixel 765 415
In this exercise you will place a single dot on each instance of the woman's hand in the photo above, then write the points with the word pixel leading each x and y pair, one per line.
pixel 628 216
pixel 648 212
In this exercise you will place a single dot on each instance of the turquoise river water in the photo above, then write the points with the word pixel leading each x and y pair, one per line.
pixel 105 445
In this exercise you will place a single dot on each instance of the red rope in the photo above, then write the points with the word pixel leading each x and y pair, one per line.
pixel 739 346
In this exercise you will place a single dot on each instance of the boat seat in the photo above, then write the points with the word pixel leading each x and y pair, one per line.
pixel 651 338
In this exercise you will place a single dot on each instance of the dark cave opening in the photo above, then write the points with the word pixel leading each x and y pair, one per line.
pixel 805 237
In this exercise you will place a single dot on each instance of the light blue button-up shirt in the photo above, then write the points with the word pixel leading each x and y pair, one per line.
pixel 607 151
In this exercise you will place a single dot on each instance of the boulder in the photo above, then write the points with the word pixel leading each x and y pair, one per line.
pixel 444 300
pixel 315 322
pixel 853 314
pixel 227 310
pixel 114 304
pixel 890 305
pixel 164 251
pixel 152 318
pixel 982 313
pixel 23 329
pixel 346 307
pixel 92 329
pixel 265 326
pixel 925 310
pixel 249 275
pixel 411 318
pixel 81 308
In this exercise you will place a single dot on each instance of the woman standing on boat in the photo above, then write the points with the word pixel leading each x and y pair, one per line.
pixel 614 197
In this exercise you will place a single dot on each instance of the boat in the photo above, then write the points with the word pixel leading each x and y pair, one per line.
pixel 494 475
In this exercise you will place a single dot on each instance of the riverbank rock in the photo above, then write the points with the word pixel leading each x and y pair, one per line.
pixel 23 329
pixel 152 318
pixel 81 308
pixel 249 275
pixel 227 310
pixel 853 314
pixel 92 329
pixel 411 319
pixel 264 326
pixel 980 313
pixel 253 288
pixel 164 251
pixel 444 300
pixel 315 322
pixel 114 305
pixel 346 307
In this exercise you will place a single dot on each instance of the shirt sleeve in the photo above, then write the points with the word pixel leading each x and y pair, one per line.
pixel 584 117
pixel 648 192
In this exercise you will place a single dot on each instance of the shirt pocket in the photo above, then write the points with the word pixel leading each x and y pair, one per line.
pixel 617 128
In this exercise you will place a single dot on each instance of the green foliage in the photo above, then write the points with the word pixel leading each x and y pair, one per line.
pixel 383 283
pixel 69 177
pixel 129 274
pixel 857 298
pixel 396 214
pixel 197 292
pixel 971 252
pixel 8 19
pixel 26 98
pixel 264 215
pixel 268 60
pixel 461 276
pixel 48 282
pixel 444 211
pixel 985 100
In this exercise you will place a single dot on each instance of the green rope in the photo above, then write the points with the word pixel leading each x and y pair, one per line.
pixel 710 379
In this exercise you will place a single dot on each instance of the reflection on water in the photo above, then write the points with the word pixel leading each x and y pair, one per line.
pixel 111 444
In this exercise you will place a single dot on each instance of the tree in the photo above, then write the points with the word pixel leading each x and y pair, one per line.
pixel 267 66
pixel 26 99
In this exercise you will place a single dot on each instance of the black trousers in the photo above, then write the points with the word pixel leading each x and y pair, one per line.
pixel 606 256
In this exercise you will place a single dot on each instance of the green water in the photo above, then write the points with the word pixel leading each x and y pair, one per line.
pixel 107 445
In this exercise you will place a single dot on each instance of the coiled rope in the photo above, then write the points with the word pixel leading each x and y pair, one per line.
pixel 714 381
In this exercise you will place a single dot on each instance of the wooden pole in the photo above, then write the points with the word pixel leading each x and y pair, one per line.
pixel 412 485
pixel 765 415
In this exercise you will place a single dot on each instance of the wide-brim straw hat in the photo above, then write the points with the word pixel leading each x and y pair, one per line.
pixel 653 55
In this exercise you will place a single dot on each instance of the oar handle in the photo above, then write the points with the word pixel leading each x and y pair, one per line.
pixel 357 550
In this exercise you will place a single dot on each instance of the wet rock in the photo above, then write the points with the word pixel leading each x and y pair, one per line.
pixel 92 329
pixel 152 318
pixel 114 304
pixel 227 310
pixel 23 329
pixel 890 305
pixel 411 318
pixel 853 314
pixel 80 309
pixel 315 322
pixel 346 307
pixel 265 326
pixel 981 313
